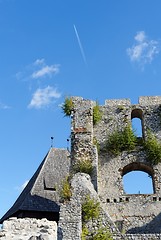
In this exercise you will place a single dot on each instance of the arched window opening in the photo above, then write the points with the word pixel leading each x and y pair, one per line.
pixel 138 182
pixel 137 127
pixel 137 122
pixel 138 179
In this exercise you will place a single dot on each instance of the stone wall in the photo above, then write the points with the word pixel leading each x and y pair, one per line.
pixel 28 229
pixel 70 223
pixel 126 216
pixel 132 213
pixel 142 236
pixel 82 147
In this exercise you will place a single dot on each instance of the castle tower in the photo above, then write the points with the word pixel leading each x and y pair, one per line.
pixel 131 212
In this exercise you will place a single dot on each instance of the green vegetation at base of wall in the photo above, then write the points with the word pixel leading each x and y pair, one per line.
pixel 91 211
pixel 102 234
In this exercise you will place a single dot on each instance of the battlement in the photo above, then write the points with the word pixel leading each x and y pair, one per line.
pixel 118 102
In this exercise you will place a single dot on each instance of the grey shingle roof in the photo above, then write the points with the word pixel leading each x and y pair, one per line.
pixel 41 193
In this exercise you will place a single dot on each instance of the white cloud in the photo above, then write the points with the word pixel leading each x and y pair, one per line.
pixel 43 97
pixel 140 36
pixel 144 50
pixel 39 61
pixel 46 71
pixel 38 69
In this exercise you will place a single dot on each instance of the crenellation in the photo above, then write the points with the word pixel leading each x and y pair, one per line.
pixel 149 100
pixel 117 102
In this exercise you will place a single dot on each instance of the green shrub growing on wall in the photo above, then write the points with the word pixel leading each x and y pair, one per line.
pixel 119 141
pixel 152 148
pixel 90 209
pixel 84 166
pixel 97 114
pixel 102 234
pixel 67 106
pixel 85 233
pixel 66 193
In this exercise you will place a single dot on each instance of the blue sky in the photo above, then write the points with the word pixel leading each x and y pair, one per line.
pixel 51 49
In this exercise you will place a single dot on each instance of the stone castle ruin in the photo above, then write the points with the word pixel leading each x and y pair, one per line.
pixel 68 184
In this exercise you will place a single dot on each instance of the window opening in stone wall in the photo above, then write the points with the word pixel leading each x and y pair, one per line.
pixel 136 126
pixel 137 122
pixel 138 182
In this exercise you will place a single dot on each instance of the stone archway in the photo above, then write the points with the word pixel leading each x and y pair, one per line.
pixel 139 169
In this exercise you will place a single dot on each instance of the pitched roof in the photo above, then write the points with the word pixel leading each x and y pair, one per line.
pixel 41 193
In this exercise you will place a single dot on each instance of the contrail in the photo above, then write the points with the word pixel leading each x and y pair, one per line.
pixel 80 45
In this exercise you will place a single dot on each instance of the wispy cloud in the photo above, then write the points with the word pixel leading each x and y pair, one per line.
pixel 44 97
pixel 37 70
pixel 46 71
pixel 4 106
pixel 143 50
pixel 33 74
pixel 39 61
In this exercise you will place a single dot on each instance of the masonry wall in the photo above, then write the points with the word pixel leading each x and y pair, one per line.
pixel 28 229
pixel 82 147
pixel 126 216
pixel 70 223
pixel 132 213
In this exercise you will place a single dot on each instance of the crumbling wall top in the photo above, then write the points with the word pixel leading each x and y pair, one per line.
pixel 116 102
pixel 152 100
